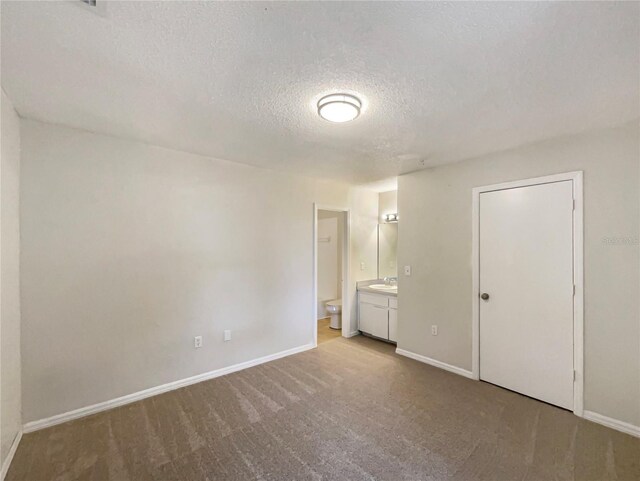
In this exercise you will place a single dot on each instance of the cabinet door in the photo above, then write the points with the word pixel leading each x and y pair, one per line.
pixel 374 320
pixel 393 325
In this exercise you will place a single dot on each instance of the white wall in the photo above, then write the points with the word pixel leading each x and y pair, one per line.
pixel 435 239
pixel 364 247
pixel 130 250
pixel 10 390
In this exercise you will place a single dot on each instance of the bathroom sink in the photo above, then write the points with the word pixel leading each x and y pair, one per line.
pixel 383 287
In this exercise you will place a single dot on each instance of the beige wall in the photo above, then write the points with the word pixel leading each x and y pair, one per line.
pixel 10 390
pixel 130 250
pixel 435 239
pixel 364 246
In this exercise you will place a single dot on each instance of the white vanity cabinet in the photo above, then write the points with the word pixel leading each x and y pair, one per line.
pixel 378 315
pixel 374 320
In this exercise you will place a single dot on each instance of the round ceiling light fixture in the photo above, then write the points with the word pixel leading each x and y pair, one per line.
pixel 339 107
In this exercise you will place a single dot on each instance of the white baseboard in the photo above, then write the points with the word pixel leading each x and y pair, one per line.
pixel 10 455
pixel 433 362
pixel 352 334
pixel 612 423
pixel 154 391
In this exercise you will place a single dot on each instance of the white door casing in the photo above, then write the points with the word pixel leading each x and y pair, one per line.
pixel 345 293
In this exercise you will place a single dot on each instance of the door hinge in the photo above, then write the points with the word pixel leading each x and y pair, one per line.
pixel 574 374
pixel 574 289
pixel 574 204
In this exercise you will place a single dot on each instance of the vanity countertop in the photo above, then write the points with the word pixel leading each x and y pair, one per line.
pixel 365 286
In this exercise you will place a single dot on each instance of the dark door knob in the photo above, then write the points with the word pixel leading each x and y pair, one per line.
pixel 484 296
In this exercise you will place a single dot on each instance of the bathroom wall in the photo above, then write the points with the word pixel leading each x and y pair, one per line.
pixel 10 388
pixel 330 231
pixel 435 239
pixel 364 248
pixel 131 250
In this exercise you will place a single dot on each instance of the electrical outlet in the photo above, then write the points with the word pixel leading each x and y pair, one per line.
pixel 362 266
pixel 197 342
pixel 227 335
pixel 434 330
pixel 407 270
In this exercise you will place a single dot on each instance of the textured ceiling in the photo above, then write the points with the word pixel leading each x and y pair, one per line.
pixel 440 81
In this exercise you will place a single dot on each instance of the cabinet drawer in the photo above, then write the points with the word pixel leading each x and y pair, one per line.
pixel 393 302
pixel 373 299
pixel 374 320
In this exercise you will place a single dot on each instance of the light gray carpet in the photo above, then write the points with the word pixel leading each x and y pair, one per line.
pixel 349 410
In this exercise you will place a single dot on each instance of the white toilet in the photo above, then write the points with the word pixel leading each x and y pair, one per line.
pixel 334 308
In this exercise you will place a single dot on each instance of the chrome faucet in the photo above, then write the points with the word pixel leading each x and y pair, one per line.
pixel 390 281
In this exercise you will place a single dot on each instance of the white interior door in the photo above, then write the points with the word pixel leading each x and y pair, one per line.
pixel 526 273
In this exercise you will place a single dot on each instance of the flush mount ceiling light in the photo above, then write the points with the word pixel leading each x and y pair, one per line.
pixel 339 107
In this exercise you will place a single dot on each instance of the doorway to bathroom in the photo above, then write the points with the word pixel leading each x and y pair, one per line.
pixel 331 311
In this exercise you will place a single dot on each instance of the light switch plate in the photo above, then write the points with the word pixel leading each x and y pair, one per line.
pixel 227 335
pixel 407 270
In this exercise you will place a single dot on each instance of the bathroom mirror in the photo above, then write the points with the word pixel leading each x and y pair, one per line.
pixel 387 250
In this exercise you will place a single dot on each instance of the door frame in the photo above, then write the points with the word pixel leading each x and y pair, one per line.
pixel 578 274
pixel 346 272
